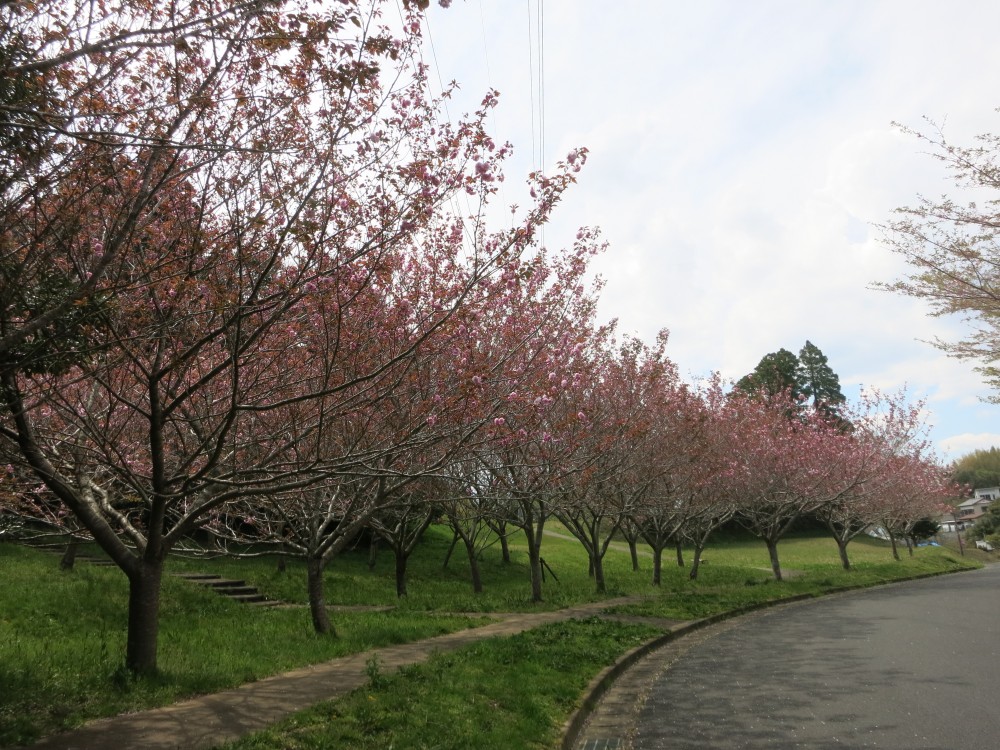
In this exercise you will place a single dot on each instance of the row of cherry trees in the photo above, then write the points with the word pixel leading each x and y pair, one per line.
pixel 605 437
pixel 249 289
pixel 238 244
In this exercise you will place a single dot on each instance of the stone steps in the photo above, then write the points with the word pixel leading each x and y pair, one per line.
pixel 236 590
pixel 101 562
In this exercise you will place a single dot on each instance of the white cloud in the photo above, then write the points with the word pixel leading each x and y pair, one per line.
pixel 874 171
pixel 955 446
pixel 739 153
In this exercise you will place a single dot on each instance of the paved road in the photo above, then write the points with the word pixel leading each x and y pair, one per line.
pixel 915 665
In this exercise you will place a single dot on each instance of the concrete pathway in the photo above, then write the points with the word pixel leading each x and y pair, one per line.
pixel 210 720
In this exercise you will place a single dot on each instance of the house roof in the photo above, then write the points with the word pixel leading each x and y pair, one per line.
pixel 971 502
pixel 956 517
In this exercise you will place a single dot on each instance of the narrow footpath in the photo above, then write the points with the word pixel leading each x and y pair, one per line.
pixel 210 720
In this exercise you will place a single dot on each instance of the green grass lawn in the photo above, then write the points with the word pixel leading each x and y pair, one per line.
pixel 737 574
pixel 435 588
pixel 62 641
pixel 62 633
pixel 501 693
pixel 477 697
pixel 431 586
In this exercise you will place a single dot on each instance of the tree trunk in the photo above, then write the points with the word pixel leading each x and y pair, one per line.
pixel 634 552
pixel 317 599
pixel 892 539
pixel 535 563
pixel 401 559
pixel 597 562
pixel 532 528
pixel 657 564
pixel 772 551
pixel 477 580
pixel 372 552
pixel 451 548
pixel 909 545
pixel 590 565
pixel 143 617
pixel 504 548
pixel 696 563
pixel 69 556
pixel 680 553
pixel 842 548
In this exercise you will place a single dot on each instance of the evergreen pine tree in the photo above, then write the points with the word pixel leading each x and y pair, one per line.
pixel 817 380
pixel 776 372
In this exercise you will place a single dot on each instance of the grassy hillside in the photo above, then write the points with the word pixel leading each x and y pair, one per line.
pixel 62 634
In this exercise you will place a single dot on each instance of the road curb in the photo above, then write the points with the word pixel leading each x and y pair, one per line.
pixel 599 686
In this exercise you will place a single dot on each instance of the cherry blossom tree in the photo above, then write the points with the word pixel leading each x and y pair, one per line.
pixel 632 534
pixel 778 465
pixel 853 510
pixel 403 521
pixel 469 513
pixel 61 63
pixel 950 244
pixel 862 461
pixel 528 353
pixel 666 465
pixel 710 498
pixel 226 178
pixel 608 484
pixel 917 489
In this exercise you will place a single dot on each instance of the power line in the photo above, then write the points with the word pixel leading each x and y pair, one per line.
pixel 486 51
pixel 541 82
pixel 536 76
pixel 437 65
pixel 536 52
pixel 531 86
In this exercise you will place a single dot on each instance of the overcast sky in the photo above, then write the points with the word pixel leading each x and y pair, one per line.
pixel 739 154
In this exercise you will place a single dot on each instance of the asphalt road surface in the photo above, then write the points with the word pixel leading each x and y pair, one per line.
pixel 914 665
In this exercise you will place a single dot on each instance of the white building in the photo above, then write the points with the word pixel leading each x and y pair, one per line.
pixel 970 511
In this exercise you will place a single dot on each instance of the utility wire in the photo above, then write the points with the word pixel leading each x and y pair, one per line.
pixel 541 83
pixel 489 82
pixel 536 63
pixel 531 86
pixel 486 51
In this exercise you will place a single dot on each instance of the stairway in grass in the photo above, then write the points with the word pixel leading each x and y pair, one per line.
pixel 236 590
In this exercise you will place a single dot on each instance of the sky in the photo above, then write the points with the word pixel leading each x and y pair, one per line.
pixel 740 156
